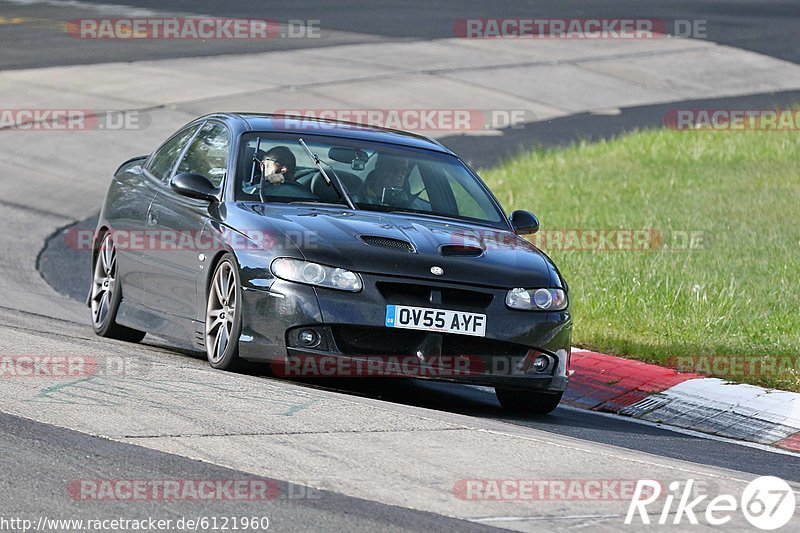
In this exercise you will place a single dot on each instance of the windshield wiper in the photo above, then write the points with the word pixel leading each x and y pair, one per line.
pixel 422 213
pixel 313 203
pixel 253 171
pixel 338 187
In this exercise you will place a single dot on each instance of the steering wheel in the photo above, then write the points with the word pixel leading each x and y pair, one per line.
pixel 289 187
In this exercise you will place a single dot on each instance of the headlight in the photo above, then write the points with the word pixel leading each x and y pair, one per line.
pixel 315 274
pixel 537 299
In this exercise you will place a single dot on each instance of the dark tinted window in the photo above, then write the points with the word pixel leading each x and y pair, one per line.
pixel 163 161
pixel 208 153
pixel 384 177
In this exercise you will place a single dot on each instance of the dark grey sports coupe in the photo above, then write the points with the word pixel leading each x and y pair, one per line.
pixel 330 249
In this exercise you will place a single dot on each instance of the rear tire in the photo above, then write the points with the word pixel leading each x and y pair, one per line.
pixel 223 315
pixel 107 295
pixel 530 402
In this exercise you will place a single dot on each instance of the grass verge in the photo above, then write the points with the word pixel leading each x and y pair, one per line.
pixel 716 286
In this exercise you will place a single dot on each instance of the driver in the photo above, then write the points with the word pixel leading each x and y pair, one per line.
pixel 278 165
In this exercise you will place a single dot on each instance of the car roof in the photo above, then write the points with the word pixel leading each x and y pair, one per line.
pixel 318 126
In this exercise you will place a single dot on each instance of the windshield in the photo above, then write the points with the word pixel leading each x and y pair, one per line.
pixel 376 176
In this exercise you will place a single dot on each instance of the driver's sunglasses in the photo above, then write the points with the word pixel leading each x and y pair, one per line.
pixel 279 163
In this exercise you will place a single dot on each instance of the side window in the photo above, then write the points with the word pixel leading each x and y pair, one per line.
pixel 208 153
pixel 163 161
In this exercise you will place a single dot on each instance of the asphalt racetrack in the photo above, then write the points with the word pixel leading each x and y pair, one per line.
pixel 351 455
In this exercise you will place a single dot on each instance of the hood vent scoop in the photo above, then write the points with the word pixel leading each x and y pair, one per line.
pixel 388 242
pixel 459 250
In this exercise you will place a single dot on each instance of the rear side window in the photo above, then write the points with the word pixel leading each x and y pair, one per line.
pixel 163 161
pixel 208 153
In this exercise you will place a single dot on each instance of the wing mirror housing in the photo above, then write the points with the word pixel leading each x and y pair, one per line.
pixel 194 186
pixel 524 222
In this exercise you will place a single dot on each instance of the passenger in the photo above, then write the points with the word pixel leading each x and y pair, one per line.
pixel 387 183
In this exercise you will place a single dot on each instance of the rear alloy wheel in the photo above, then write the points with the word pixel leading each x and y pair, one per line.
pixel 107 294
pixel 223 317
pixel 532 402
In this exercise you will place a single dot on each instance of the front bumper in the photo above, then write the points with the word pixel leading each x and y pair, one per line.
pixel 354 340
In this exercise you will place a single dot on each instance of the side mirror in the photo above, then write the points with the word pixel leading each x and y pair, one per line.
pixel 524 222
pixel 194 186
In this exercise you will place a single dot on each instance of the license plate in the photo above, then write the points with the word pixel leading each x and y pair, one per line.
pixel 442 320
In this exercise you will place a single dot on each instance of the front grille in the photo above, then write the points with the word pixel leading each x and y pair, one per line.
pixel 464 298
pixel 361 340
pixel 404 293
pixel 466 345
pixel 457 250
pixel 421 295
pixel 388 242
pixel 365 340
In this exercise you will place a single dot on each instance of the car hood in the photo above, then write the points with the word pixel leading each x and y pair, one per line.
pixel 341 237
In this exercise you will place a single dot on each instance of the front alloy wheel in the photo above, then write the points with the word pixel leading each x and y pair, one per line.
pixel 223 317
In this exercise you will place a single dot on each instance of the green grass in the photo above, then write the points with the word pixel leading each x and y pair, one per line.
pixel 738 295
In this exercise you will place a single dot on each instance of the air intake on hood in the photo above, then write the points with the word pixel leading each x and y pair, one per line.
pixel 388 242
pixel 459 250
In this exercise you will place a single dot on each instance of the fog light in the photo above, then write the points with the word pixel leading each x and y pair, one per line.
pixel 309 338
pixel 541 363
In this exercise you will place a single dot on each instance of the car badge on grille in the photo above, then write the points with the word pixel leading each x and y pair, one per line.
pixel 437 271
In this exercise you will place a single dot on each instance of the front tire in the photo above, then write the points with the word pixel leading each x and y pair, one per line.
pixel 530 402
pixel 107 294
pixel 223 315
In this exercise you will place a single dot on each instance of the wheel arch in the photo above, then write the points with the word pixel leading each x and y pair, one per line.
pixel 99 235
pixel 213 263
